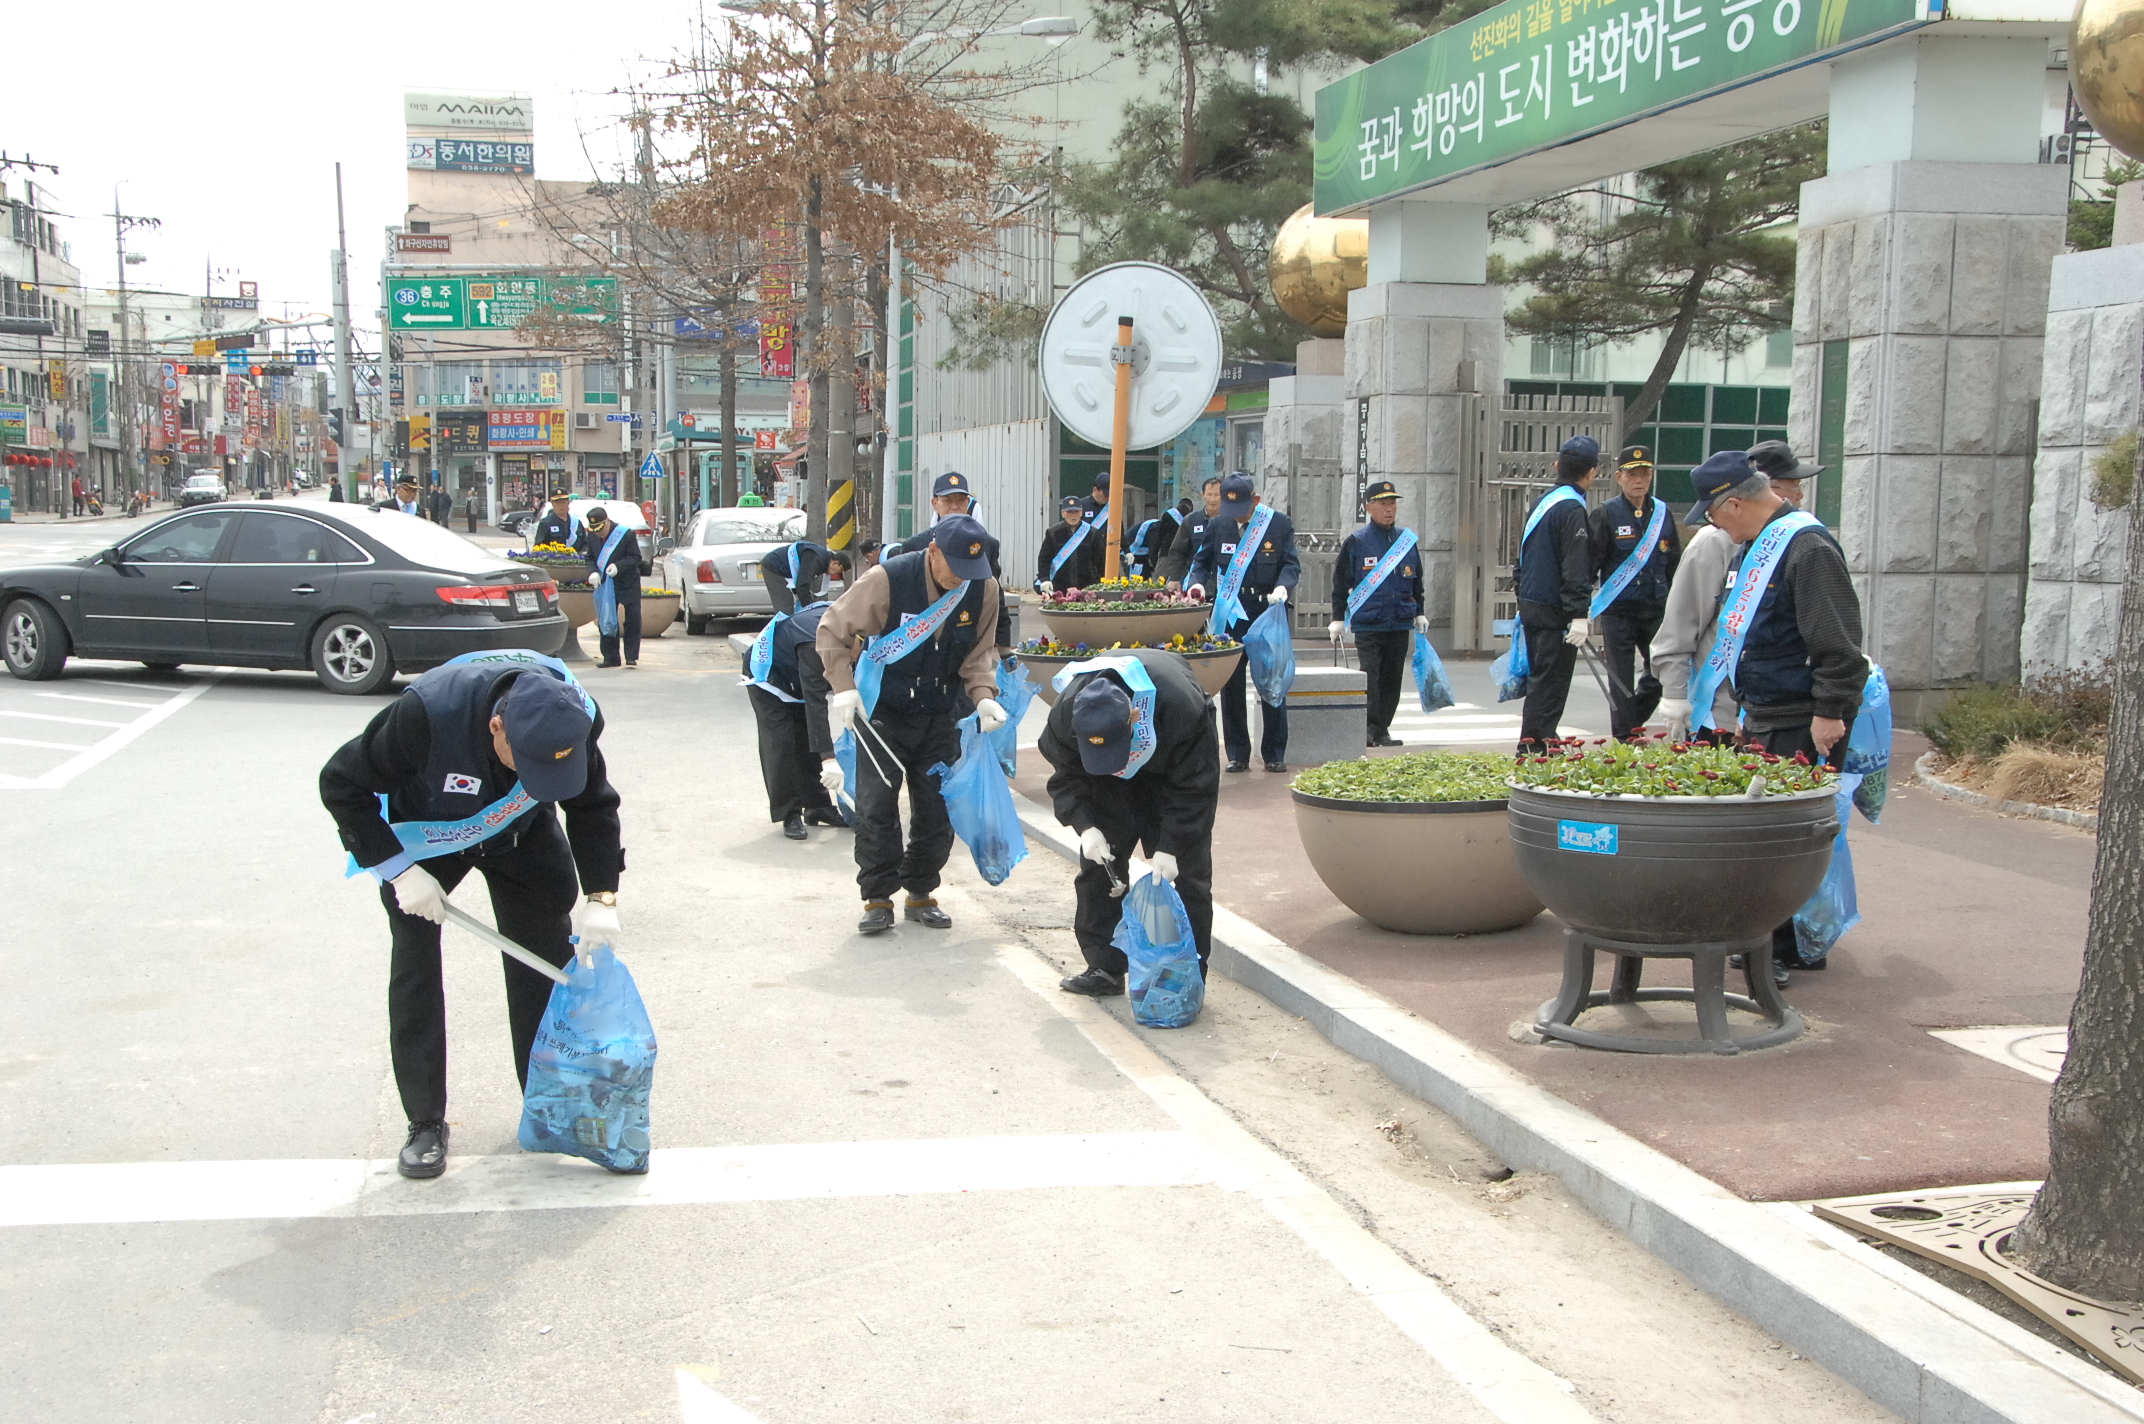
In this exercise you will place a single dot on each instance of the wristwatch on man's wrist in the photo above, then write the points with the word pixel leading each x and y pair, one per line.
pixel 604 897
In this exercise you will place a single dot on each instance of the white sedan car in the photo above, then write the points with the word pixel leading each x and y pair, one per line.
pixel 716 564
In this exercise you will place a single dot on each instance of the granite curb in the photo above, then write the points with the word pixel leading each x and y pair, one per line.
pixel 1929 1354
pixel 1925 776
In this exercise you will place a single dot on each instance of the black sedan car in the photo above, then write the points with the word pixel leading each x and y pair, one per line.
pixel 355 594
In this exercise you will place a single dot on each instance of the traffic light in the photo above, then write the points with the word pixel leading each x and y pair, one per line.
pixel 335 426
pixel 401 440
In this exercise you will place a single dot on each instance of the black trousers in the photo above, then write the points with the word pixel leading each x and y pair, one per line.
pixel 787 763
pixel 1385 663
pixel 1550 661
pixel 628 632
pixel 883 862
pixel 1628 634
pixel 1127 815
pixel 1236 717
pixel 783 596
pixel 1785 742
pixel 532 887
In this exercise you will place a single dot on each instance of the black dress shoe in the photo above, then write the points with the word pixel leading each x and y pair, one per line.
pixel 823 816
pixel 1276 766
pixel 1780 976
pixel 425 1154
pixel 927 914
pixel 1094 983
pixel 878 917
pixel 1386 741
pixel 793 826
pixel 1237 766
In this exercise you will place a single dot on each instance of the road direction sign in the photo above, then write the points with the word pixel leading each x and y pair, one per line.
pixel 427 304
pixel 651 468
pixel 615 419
pixel 494 303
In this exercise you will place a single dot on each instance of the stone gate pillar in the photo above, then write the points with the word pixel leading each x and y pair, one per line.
pixel 1425 332
pixel 1920 305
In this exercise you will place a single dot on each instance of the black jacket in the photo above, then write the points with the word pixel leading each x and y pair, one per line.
pixel 811 563
pixel 551 529
pixel 917 542
pixel 1181 782
pixel 625 558
pixel 1555 573
pixel 1275 565
pixel 1802 655
pixel 1184 545
pixel 1617 527
pixel 391 753
pixel 1085 565
pixel 1397 601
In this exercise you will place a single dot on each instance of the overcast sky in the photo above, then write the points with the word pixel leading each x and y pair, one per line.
pixel 226 121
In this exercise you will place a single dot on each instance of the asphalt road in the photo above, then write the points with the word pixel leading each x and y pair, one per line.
pixel 897 1179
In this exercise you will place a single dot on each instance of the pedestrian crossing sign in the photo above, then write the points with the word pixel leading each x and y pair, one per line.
pixel 651 468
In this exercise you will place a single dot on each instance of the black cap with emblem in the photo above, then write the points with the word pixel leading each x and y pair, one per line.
pixel 1102 725
pixel 1635 457
pixel 965 544
pixel 1381 489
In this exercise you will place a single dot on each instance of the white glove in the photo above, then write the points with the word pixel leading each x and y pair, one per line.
pixel 989 715
pixel 1578 632
pixel 1421 623
pixel 844 709
pixel 1196 590
pixel 1045 587
pixel 1094 846
pixel 1677 712
pixel 595 579
pixel 611 572
pixel 1278 595
pixel 419 894
pixel 831 777
pixel 1334 629
pixel 1164 866
pixel 595 923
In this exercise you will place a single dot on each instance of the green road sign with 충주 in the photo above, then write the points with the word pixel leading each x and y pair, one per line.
pixel 1533 74
pixel 494 303
pixel 426 304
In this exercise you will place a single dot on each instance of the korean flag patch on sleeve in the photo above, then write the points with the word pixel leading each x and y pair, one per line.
pixel 463 785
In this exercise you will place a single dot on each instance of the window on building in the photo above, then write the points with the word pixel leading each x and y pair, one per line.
pixel 1779 348
pixel 530 382
pixel 599 383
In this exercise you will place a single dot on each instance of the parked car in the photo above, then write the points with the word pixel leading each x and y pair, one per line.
pixel 517 521
pixel 200 489
pixel 716 564
pixel 355 594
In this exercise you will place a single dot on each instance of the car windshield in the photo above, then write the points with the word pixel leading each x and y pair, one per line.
pixel 744 527
pixel 203 482
pixel 423 542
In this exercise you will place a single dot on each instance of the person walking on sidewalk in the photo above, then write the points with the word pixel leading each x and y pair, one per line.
pixel 928 627
pixel 613 556
pixel 1072 550
pixel 1131 749
pixel 1554 580
pixel 1789 634
pixel 1635 548
pixel 457 774
pixel 1184 543
pixel 1248 559
pixel 81 498
pixel 787 686
pixel 1377 592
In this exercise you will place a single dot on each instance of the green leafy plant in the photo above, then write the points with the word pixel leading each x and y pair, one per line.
pixel 1607 768
pixel 1194 643
pixel 2065 711
pixel 1415 777
pixel 2114 473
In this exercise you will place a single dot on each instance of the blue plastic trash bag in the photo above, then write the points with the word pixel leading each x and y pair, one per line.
pixel 1834 908
pixel 1430 682
pixel 1016 690
pixel 978 800
pixel 1161 958
pixel 1510 673
pixel 1868 745
pixel 845 757
pixel 1270 645
pixel 591 1069
pixel 606 600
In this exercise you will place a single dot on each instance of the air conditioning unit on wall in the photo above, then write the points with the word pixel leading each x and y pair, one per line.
pixel 583 420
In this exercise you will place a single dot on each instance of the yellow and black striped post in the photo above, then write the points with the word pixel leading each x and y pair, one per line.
pixel 841 516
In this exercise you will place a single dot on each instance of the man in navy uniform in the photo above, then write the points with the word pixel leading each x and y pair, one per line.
pixel 928 626
pixel 1249 554
pixel 787 686
pixel 474 755
pixel 793 570
pixel 1377 592
pixel 1131 750
pixel 1554 580
pixel 1176 559
pixel 1635 549
pixel 1095 507
pixel 951 495
pixel 557 526
pixel 1072 550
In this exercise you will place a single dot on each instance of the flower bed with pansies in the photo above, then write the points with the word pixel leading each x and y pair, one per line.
pixel 1658 768
pixel 1181 643
pixel 1120 595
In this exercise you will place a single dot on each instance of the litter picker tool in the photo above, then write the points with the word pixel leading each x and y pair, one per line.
pixel 504 945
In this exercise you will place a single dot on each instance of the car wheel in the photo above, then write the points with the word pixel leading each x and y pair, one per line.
pixel 350 656
pixel 33 641
pixel 695 624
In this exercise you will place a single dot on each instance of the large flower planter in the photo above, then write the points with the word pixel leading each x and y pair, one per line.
pixel 1099 630
pixel 1212 669
pixel 579 606
pixel 1418 867
pixel 1673 869
pixel 656 613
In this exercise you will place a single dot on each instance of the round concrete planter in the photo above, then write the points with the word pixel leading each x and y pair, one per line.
pixel 1213 669
pixel 579 606
pixel 1417 867
pixel 1099 630
pixel 657 613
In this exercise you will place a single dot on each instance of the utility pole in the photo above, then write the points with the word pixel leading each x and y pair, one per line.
pixel 339 276
pixel 129 454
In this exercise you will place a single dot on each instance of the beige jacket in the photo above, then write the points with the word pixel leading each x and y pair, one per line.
pixel 863 612
pixel 1693 613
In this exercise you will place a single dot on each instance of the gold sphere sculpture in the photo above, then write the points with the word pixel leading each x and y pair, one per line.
pixel 1314 264
pixel 2107 70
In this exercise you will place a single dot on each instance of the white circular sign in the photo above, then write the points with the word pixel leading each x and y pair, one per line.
pixel 1176 354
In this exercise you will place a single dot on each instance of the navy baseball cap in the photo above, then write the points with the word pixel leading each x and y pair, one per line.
pixel 1102 725
pixel 1777 459
pixel 1101 479
pixel 1237 496
pixel 1381 489
pixel 1583 447
pixel 951 482
pixel 547 727
pixel 1070 501
pixel 1719 474
pixel 965 544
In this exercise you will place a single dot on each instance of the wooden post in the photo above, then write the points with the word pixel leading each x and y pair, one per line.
pixel 1112 565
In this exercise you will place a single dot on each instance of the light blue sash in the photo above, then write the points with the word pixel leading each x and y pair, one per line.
pixel 1628 569
pixel 1360 594
pixel 1518 664
pixel 1134 673
pixel 1139 539
pixel 1227 602
pixel 898 644
pixel 1079 537
pixel 760 661
pixel 1749 581
pixel 606 595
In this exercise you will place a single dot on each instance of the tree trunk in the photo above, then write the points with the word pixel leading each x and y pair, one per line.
pixel 1677 341
pixel 813 352
pixel 871 470
pixel 2085 1232
pixel 841 419
pixel 726 472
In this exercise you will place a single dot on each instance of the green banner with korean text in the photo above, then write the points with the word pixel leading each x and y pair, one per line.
pixel 1534 74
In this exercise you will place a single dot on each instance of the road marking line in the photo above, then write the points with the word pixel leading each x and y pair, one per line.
pixel 50 717
pixel 74 766
pixel 107 701
pixel 46 746
pixel 111 1193
pixel 1507 1384
pixel 698 1403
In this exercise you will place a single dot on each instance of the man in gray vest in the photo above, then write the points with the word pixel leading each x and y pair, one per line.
pixel 473 756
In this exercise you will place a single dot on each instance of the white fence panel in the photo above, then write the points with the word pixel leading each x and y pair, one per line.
pixel 1008 467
